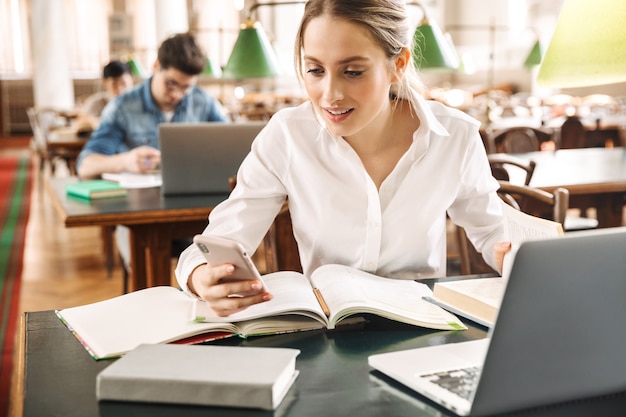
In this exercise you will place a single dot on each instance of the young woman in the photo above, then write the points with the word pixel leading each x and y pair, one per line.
pixel 369 167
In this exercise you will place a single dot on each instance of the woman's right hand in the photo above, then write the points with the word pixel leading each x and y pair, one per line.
pixel 210 283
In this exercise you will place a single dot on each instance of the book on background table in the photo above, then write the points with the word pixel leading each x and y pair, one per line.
pixel 479 299
pixel 165 314
pixel 133 180
pixel 95 189
pixel 226 376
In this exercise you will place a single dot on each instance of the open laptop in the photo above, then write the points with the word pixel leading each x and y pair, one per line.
pixel 559 335
pixel 199 158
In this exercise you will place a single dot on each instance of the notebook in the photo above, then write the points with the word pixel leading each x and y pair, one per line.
pixel 199 158
pixel 558 337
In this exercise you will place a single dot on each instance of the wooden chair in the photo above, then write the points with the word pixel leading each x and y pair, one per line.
pixel 520 139
pixel 501 165
pixel 279 244
pixel 522 197
pixel 572 134
pixel 515 140
pixel 42 120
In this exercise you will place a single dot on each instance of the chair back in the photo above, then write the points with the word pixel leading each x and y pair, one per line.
pixel 530 200
pixel 515 140
pixel 535 201
pixel 503 164
pixel 572 134
pixel 279 244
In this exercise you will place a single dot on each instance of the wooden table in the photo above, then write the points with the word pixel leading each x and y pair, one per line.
pixel 595 177
pixel 65 143
pixel 153 220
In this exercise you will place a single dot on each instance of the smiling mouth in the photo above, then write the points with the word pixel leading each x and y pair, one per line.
pixel 339 112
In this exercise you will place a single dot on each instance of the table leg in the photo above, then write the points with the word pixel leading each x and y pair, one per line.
pixel 609 207
pixel 610 210
pixel 151 251
pixel 137 273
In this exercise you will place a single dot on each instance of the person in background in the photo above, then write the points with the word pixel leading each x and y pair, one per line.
pixel 116 79
pixel 368 166
pixel 126 138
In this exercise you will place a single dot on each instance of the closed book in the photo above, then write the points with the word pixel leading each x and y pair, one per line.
pixel 93 189
pixel 477 299
pixel 225 376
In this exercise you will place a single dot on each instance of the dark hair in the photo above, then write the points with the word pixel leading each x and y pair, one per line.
pixel 385 20
pixel 181 52
pixel 115 69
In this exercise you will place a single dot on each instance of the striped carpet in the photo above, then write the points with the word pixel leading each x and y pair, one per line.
pixel 15 187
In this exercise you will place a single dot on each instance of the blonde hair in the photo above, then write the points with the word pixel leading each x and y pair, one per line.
pixel 387 23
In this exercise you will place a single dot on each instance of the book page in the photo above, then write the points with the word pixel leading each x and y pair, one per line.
pixel 348 291
pixel 520 227
pixel 115 326
pixel 292 294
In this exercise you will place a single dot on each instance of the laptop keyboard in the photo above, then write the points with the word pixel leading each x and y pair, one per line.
pixel 459 381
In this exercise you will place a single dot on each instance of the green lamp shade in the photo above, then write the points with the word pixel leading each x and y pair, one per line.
pixel 135 67
pixel 252 55
pixel 534 57
pixel 212 70
pixel 588 46
pixel 431 50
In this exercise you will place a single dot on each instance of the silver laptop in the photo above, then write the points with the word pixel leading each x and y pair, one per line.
pixel 559 335
pixel 198 158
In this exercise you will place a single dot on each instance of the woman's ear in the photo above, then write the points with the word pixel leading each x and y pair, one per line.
pixel 401 63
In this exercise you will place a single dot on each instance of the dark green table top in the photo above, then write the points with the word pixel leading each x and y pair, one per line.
pixel 334 380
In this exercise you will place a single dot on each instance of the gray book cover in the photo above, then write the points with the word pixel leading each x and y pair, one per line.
pixel 227 376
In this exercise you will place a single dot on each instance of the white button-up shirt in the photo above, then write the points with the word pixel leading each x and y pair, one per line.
pixel 338 214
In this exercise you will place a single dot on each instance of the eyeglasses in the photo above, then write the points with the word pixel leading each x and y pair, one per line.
pixel 172 85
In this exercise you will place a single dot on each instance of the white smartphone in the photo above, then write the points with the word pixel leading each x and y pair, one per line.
pixel 219 250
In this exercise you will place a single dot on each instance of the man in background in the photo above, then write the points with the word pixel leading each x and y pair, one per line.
pixel 116 79
pixel 127 137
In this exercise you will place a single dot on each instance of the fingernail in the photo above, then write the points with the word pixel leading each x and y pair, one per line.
pixel 230 268
pixel 267 296
pixel 256 286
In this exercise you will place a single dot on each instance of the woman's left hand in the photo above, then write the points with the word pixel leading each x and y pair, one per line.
pixel 500 249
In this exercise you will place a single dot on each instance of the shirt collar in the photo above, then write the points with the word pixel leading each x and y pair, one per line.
pixel 427 117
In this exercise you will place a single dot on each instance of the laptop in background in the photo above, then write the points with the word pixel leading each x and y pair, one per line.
pixel 558 337
pixel 199 158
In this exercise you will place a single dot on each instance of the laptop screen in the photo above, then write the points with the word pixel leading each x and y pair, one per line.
pixel 199 158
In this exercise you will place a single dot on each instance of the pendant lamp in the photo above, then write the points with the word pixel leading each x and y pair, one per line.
pixel 588 45
pixel 534 56
pixel 431 50
pixel 253 55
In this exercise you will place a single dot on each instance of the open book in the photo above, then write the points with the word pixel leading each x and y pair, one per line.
pixel 520 227
pixel 479 299
pixel 113 327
